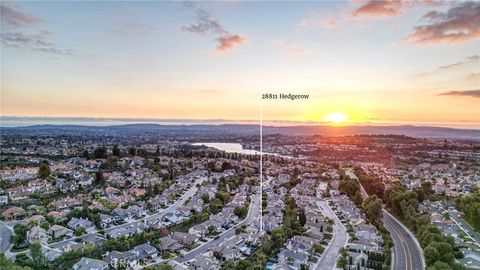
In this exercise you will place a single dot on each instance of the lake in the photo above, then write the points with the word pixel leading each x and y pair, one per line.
pixel 230 148
pixel 236 148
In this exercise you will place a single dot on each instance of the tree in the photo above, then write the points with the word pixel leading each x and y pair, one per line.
pixel 357 199
pixel 223 196
pixel 9 264
pixel 19 239
pixel 349 187
pixel 217 255
pixel 85 154
pixel 373 209
pixel 239 230
pixel 342 261
pixel 445 252
pixel 470 206
pixel 206 198
pixel 302 218
pixel 318 248
pixel 440 266
pixel 100 152
pixel 240 211
pixel 79 231
pixel 431 255
pixel 43 171
pixel 216 206
pixel 99 179
pixel 38 259
pixel 279 236
pixel 116 151
pixel 23 260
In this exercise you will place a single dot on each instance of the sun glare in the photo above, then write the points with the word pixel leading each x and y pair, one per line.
pixel 336 118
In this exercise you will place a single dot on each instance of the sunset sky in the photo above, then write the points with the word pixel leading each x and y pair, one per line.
pixel 374 62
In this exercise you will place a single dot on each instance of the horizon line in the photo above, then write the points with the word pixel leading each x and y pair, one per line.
pixel 19 121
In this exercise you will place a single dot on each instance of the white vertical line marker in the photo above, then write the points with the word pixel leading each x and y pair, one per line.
pixel 261 166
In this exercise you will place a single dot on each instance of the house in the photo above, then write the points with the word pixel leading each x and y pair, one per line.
pixel 185 238
pixel 136 192
pixel 168 244
pixel 127 230
pixel 75 223
pixel 85 180
pixel 176 265
pixel 172 218
pixel 112 192
pixel 204 262
pixel 52 254
pixel 120 214
pixel 14 213
pixel 18 193
pixel 35 218
pixel 136 211
pixel 37 234
pixel 58 216
pixel 57 231
pixel 118 259
pixel 64 186
pixel 229 252
pixel 90 264
pixel 106 220
pixel 293 258
pixel 184 212
pixel 200 229
pixel 158 201
pixel 93 239
pixel 145 251
pixel 3 197
pixel 67 246
pixel 358 258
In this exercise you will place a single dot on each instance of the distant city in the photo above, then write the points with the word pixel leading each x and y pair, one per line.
pixel 191 197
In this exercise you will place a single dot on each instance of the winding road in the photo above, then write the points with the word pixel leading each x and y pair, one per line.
pixel 407 253
pixel 330 255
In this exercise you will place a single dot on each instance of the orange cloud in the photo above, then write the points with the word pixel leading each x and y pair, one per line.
pixel 229 41
pixel 207 25
pixel 388 8
pixel 458 24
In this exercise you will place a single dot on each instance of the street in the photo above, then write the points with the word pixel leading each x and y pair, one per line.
pixel 455 215
pixel 330 255
pixel 5 235
pixel 407 252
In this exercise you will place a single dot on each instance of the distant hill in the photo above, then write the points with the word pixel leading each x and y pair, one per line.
pixel 242 129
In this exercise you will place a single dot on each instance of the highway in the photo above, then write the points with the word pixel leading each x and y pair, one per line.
pixel 407 252
pixel 330 255
pixel 253 215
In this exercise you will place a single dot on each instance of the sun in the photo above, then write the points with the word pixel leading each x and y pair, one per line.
pixel 336 118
